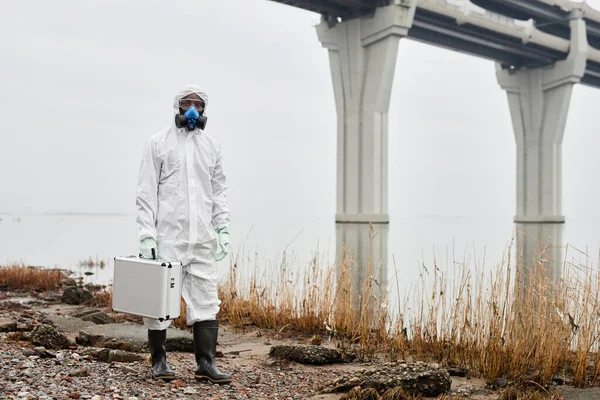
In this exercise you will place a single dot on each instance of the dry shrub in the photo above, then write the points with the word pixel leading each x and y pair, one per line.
pixel 316 300
pixel 295 301
pixel 19 336
pixel 181 322
pixel 20 277
pixel 361 394
pixel 122 317
pixel 399 394
pixel 528 394
pixel 91 263
pixel 494 322
pixel 102 298
pixel 508 324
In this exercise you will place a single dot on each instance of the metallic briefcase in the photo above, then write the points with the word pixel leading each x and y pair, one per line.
pixel 148 288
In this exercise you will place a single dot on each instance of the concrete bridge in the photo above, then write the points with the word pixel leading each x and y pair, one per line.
pixel 541 48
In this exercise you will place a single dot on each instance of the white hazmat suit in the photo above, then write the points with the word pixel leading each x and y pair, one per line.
pixel 181 204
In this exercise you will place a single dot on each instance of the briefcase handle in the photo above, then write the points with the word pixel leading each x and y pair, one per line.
pixel 153 254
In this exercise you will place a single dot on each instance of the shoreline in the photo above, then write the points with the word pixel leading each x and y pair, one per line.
pixel 79 370
pixel 276 351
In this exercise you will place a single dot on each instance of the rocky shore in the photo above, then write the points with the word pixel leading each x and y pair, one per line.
pixel 53 346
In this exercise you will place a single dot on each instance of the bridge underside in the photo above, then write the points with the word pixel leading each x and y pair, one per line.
pixel 442 31
pixel 344 9
pixel 550 19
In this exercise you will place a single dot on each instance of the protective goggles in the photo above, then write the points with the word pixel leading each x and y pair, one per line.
pixel 187 103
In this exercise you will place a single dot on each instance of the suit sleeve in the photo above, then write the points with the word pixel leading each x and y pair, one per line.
pixel 147 191
pixel 220 209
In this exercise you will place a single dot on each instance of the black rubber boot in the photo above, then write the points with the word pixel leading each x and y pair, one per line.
pixel 160 368
pixel 205 345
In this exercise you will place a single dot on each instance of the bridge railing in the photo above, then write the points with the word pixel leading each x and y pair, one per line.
pixel 523 30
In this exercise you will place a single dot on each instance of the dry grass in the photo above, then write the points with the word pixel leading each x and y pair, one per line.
pixel 390 394
pixel 318 303
pixel 484 319
pixel 181 321
pixel 91 263
pixel 122 317
pixel 530 394
pixel 17 337
pixel 361 394
pixel 102 298
pixel 287 300
pixel 498 326
pixel 21 277
pixel 399 394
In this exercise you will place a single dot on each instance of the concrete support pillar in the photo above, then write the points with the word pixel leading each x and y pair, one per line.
pixel 539 102
pixel 365 248
pixel 362 56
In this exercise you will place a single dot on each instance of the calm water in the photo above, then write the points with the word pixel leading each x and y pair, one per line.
pixel 64 241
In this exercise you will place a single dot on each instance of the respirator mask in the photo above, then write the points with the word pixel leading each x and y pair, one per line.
pixel 192 118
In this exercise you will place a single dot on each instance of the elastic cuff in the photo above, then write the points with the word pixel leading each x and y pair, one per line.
pixel 223 228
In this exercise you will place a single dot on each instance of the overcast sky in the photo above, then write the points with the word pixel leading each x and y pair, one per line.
pixel 85 83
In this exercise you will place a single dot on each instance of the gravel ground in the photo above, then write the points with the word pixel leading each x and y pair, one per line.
pixel 72 376
pixel 29 372
pixel 75 374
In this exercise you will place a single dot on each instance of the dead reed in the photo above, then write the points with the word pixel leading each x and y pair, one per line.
pixel 91 263
pixel 400 394
pixel 530 394
pixel 496 322
pixel 503 324
pixel 390 394
pixel 102 298
pixel 21 277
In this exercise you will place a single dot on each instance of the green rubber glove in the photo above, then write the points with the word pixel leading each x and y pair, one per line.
pixel 223 242
pixel 148 249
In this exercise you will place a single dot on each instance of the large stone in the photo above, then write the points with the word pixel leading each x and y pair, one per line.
pixel 108 355
pixel 131 337
pixel 124 356
pixel 85 312
pixel 77 372
pixel 429 380
pixel 181 344
pixel 95 353
pixel 7 325
pixel 89 339
pixel 13 305
pixel 68 325
pixel 69 282
pixel 44 352
pixel 92 288
pixel 49 337
pixel 312 355
pixel 75 295
pixel 99 318
pixel 94 315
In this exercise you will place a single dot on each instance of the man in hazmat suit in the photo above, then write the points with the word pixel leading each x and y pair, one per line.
pixel 182 215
